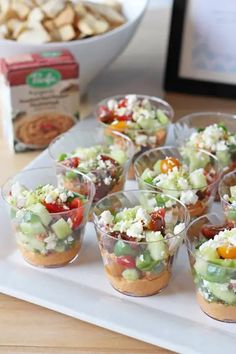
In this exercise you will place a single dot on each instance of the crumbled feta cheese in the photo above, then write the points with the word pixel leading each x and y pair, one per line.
pixel 170 203
pixel 20 202
pixel 63 197
pixel 226 197
pixel 183 183
pixel 106 218
pixel 70 222
pixel 70 239
pixel 112 104
pixel 135 230
pixel 142 215
pixel 188 197
pixel 141 139
pixel 108 180
pixel 49 199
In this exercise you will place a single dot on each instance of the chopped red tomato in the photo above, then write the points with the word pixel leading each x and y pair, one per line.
pixel 124 118
pixel 209 231
pixel 72 162
pixel 77 217
pixel 168 164
pixel 54 208
pixel 122 103
pixel 157 222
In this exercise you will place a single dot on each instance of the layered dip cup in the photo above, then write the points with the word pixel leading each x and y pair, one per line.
pixel 105 160
pixel 211 246
pixel 144 119
pixel 139 240
pixel 211 131
pixel 47 220
pixel 190 176
pixel 227 192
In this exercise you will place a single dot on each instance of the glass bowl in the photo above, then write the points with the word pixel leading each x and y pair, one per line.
pixel 198 200
pixel 189 124
pixel 107 179
pixel 44 239
pixel 139 268
pixel 228 181
pixel 214 279
pixel 143 139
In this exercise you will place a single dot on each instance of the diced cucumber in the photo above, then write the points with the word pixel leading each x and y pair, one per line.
pixel 162 117
pixel 36 245
pixel 32 228
pixel 61 229
pixel 156 246
pixel 198 179
pixel 31 199
pixel 119 155
pixel 210 271
pixel 209 253
pixel 126 214
pixel 223 157
pixel 222 292
pixel 197 160
pixel 144 262
pixel 233 192
pixel 130 274
pixel 122 249
pixel 157 167
pixel 145 123
pixel 40 210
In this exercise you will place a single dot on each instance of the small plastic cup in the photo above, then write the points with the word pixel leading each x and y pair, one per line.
pixel 70 178
pixel 214 281
pixel 228 180
pixel 205 195
pixel 189 124
pixel 143 139
pixel 38 241
pixel 121 257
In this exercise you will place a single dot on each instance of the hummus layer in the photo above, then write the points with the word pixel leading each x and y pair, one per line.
pixel 216 310
pixel 55 259
pixel 140 287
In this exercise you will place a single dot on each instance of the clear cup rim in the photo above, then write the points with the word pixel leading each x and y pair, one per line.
pixel 151 98
pixel 205 113
pixel 186 216
pixel 88 201
pixel 177 148
pixel 222 182
pixel 79 130
pixel 193 254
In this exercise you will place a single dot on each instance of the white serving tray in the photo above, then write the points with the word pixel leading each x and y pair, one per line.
pixel 171 319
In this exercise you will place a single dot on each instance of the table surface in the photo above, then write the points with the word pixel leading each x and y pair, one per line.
pixel 27 328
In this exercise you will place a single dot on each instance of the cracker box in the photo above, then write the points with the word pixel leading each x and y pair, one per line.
pixel 43 97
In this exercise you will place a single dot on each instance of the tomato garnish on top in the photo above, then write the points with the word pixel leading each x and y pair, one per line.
pixel 168 164
pixel 227 252
pixel 157 222
pixel 209 231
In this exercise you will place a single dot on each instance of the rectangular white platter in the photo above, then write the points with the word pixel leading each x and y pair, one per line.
pixel 171 319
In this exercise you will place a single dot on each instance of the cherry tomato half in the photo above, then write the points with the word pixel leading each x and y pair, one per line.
pixel 227 252
pixel 126 261
pixel 72 162
pixel 168 164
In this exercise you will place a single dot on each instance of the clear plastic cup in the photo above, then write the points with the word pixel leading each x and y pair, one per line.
pixel 214 280
pixel 46 240
pixel 205 195
pixel 143 139
pixel 189 124
pixel 139 268
pixel 115 175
